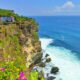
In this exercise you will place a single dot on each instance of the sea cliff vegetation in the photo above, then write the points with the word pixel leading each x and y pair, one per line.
pixel 20 48
pixel 9 13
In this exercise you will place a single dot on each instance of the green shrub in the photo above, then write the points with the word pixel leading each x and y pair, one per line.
pixel 35 36
pixel 34 75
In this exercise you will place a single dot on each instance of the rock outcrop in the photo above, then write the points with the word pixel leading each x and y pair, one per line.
pixel 20 40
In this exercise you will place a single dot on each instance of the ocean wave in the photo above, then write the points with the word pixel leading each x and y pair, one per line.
pixel 63 58
pixel 45 42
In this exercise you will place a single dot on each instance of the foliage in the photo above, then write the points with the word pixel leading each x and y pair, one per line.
pixel 10 71
pixel 13 61
pixel 35 35
pixel 9 13
pixel 4 12
pixel 34 75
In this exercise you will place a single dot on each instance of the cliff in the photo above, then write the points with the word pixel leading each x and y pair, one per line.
pixel 20 48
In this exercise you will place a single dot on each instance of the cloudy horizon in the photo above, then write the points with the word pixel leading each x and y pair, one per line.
pixel 43 8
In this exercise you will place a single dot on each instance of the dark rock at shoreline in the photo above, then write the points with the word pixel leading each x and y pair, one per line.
pixel 42 64
pixel 46 55
pixel 54 70
pixel 51 78
pixel 37 58
pixel 48 60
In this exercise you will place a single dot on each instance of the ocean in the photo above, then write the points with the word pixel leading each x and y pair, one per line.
pixel 60 38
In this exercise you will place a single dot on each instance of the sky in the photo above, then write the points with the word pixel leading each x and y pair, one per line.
pixel 42 7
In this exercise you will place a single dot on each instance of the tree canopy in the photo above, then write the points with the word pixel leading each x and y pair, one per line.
pixel 8 13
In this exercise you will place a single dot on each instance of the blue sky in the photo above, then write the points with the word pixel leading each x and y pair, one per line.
pixel 42 7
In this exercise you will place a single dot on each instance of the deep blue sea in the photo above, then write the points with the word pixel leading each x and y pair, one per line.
pixel 60 37
pixel 65 30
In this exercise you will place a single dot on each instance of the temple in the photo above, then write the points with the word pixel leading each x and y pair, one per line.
pixel 7 19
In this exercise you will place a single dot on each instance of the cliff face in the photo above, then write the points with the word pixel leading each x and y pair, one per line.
pixel 19 43
pixel 20 48
pixel 29 40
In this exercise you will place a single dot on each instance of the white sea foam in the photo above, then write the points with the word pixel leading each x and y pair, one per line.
pixel 45 42
pixel 64 59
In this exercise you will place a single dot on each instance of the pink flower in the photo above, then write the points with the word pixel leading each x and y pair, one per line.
pixel 22 76
pixel 2 69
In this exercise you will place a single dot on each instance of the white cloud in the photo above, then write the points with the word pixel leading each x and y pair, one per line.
pixel 66 6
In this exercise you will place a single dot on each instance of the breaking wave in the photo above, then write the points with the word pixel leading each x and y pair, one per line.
pixel 63 58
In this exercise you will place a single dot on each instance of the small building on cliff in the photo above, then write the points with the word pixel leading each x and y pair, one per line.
pixel 7 15
pixel 7 18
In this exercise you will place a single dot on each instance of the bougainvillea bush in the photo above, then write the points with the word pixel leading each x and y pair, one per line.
pixel 12 71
